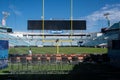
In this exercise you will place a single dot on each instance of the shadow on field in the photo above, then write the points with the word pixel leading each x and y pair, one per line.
pixel 81 71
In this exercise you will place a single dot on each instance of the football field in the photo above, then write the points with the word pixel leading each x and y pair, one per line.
pixel 61 50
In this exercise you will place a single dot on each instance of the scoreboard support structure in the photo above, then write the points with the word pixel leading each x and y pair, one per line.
pixel 42 20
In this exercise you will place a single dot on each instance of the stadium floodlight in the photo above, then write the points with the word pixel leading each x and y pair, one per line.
pixel 106 16
pixel 107 13
pixel 5 15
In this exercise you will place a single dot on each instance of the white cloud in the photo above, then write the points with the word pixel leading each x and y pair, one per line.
pixel 94 18
pixel 105 7
pixel 15 11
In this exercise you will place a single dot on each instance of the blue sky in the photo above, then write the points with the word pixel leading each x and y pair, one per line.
pixel 90 10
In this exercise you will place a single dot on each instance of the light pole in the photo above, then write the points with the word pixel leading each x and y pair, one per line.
pixel 106 16
pixel 5 15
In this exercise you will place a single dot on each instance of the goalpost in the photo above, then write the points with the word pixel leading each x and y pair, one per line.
pixel 71 27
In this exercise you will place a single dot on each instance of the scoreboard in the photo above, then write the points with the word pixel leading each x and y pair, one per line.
pixel 57 25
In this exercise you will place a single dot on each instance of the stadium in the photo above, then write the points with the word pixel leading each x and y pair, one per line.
pixel 60 50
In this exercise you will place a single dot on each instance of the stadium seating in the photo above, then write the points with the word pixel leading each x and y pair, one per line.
pixel 47 58
pixel 15 41
pixel 111 34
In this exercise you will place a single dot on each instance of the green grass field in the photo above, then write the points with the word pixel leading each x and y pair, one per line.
pixel 83 71
pixel 62 50
pixel 37 67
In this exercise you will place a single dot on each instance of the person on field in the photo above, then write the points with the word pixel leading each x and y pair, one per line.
pixel 30 51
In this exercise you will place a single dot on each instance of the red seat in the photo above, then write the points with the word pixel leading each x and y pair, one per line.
pixel 80 58
pixel 58 58
pixel 29 58
pixel 69 58
pixel 48 58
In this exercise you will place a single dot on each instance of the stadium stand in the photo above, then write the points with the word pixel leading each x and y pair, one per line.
pixel 86 39
pixel 13 41
pixel 110 34
pixel 16 40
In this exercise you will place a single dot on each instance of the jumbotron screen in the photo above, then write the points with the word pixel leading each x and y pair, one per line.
pixel 57 24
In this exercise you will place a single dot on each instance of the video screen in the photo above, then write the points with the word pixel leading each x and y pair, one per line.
pixel 57 24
